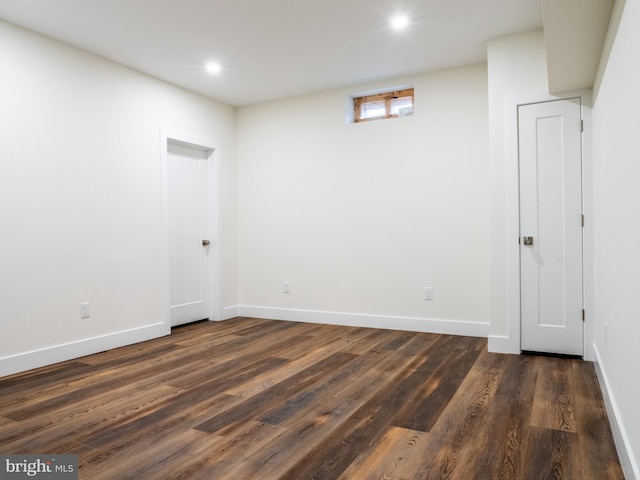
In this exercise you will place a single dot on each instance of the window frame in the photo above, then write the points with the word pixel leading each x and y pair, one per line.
pixel 387 97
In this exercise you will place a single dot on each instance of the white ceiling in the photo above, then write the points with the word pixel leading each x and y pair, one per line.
pixel 277 48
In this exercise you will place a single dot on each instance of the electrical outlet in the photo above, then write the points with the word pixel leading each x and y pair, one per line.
pixel 428 293
pixel 84 310
pixel 286 287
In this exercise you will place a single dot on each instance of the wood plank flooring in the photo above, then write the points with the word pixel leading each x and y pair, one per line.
pixel 261 399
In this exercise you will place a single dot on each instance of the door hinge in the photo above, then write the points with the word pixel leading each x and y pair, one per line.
pixel 583 314
pixel 583 219
pixel 581 126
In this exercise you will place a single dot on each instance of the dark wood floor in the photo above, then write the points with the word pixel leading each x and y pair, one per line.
pixel 260 399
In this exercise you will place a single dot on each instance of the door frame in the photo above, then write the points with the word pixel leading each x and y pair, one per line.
pixel 512 102
pixel 210 146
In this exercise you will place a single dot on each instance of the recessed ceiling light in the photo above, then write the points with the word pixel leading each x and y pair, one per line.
pixel 399 22
pixel 213 68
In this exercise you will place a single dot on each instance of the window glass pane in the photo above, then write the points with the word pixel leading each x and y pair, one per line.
pixel 402 102
pixel 373 109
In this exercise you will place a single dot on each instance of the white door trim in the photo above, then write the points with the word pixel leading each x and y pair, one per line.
pixel 215 278
pixel 511 343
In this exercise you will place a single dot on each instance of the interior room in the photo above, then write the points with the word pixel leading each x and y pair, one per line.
pixel 413 222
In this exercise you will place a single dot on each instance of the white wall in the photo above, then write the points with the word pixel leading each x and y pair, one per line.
pixel 361 217
pixel 617 230
pixel 516 65
pixel 80 198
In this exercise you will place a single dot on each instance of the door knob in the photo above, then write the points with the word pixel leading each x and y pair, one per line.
pixel 527 240
pixel 206 243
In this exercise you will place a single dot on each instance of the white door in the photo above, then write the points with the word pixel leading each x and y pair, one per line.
pixel 187 191
pixel 550 151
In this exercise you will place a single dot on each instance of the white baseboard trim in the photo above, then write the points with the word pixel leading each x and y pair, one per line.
pixel 502 344
pixel 414 324
pixel 59 353
pixel 230 312
pixel 625 452
pixel 505 344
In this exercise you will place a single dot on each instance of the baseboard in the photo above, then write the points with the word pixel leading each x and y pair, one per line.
pixel 68 351
pixel 450 327
pixel 230 312
pixel 505 344
pixel 502 344
pixel 625 452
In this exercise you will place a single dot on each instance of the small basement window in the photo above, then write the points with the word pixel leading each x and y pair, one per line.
pixel 398 103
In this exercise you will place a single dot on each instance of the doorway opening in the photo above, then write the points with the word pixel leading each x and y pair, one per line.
pixel 551 227
pixel 191 273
